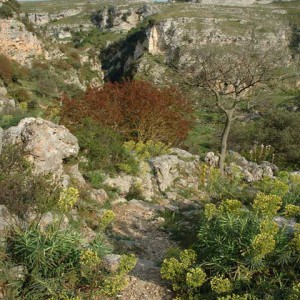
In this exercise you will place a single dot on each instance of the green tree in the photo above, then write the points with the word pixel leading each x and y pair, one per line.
pixel 230 75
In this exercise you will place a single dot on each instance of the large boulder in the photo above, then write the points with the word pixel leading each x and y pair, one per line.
pixel 176 171
pixel 6 105
pixel 166 171
pixel 46 144
pixel 6 219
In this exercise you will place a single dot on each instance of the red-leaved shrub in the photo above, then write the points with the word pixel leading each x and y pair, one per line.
pixel 137 109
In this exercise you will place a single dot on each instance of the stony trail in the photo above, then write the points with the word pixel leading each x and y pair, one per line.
pixel 137 229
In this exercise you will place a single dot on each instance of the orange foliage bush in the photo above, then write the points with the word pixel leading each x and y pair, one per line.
pixel 6 69
pixel 136 109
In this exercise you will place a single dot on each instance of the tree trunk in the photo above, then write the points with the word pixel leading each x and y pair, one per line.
pixel 224 138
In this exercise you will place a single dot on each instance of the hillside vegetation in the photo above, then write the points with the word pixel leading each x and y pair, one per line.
pixel 149 150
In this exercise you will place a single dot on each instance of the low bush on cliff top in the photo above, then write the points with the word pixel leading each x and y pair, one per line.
pixel 8 8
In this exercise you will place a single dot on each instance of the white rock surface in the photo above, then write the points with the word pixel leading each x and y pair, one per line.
pixel 46 144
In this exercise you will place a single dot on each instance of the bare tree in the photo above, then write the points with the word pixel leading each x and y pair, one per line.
pixel 229 75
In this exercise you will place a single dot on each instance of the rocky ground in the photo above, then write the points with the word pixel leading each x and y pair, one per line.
pixel 138 229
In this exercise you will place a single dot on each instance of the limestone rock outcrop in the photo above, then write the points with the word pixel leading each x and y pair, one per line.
pixel 122 19
pixel 6 219
pixel 162 175
pixel 18 43
pixel 6 105
pixel 250 171
pixel 42 18
pixel 46 144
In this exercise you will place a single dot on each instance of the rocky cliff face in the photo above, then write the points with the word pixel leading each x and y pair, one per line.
pixel 122 19
pixel 42 18
pixel 176 38
pixel 46 144
pixel 18 43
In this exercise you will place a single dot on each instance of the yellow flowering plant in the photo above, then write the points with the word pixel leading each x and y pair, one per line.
pixel 267 205
pixel 292 211
pixel 89 262
pixel 210 210
pixel 107 218
pixel 235 251
pixel 263 244
pixel 220 285
pixel 68 198
pixel 141 152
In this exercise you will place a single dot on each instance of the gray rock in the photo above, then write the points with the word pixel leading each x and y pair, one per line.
pixel 212 159
pixel 17 272
pixel 46 144
pixel 165 168
pixel 267 164
pixel 172 208
pixel 122 183
pixel 257 173
pixel 147 10
pixel 145 205
pixel 118 201
pixel 111 262
pixel 251 170
pixel 18 43
pixel 182 154
pixel 88 235
pixel 267 171
pixel 171 195
pixel 289 224
pixel 248 176
pixel 48 219
pixel 6 219
pixel 7 105
pixel 99 196
pixel 75 174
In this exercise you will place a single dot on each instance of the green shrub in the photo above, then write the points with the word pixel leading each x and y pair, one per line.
pixel 21 189
pixel 21 94
pixel 277 128
pixel 56 265
pixel 103 148
pixel 140 153
pixel 6 70
pixel 6 11
pixel 240 253
pixel 11 71
pixel 220 187
pixel 146 150
pixel 13 119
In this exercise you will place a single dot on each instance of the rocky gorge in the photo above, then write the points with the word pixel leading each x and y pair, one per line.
pixel 98 204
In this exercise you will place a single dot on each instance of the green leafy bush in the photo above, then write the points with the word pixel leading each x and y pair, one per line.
pixel 56 264
pixel 6 12
pixel 277 128
pixel 21 189
pixel 240 253
pixel 103 148
pixel 141 152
